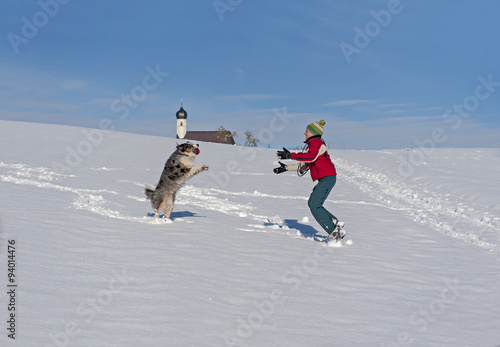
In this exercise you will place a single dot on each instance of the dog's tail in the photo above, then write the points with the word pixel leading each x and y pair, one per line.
pixel 149 192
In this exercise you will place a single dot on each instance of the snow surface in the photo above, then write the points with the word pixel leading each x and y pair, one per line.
pixel 243 262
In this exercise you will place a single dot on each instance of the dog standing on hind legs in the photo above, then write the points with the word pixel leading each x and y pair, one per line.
pixel 178 169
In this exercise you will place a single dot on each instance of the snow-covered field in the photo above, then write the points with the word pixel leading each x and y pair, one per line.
pixel 243 262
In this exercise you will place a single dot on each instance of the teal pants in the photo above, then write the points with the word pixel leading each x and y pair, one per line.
pixel 317 199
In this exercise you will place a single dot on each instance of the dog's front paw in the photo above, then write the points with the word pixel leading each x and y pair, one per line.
pixel 204 168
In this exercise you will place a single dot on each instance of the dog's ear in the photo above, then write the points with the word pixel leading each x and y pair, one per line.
pixel 181 147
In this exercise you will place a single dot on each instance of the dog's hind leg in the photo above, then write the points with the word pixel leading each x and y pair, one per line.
pixel 169 206
pixel 160 208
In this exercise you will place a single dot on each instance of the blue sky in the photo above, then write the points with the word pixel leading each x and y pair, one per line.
pixel 411 68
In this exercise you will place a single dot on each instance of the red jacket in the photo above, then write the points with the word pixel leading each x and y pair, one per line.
pixel 317 158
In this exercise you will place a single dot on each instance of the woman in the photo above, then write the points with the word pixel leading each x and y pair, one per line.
pixel 317 160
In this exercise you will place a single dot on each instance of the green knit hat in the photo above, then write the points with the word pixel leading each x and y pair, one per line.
pixel 317 127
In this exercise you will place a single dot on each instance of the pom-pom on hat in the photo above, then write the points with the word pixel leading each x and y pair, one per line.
pixel 317 127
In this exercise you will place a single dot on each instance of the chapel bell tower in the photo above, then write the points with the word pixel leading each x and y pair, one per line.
pixel 181 122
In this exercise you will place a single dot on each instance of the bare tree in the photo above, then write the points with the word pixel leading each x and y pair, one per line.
pixel 225 135
pixel 251 141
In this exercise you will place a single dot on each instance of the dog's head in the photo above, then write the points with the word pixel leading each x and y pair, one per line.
pixel 188 149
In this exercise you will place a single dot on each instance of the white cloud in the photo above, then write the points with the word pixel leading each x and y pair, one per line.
pixel 400 120
pixel 66 84
pixel 251 97
pixel 396 105
pixel 348 102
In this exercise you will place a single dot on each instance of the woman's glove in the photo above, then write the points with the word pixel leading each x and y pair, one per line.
pixel 284 154
pixel 280 169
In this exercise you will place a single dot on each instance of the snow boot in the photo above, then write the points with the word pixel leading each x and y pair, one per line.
pixel 339 232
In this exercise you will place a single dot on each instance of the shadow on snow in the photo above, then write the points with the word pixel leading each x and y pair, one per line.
pixel 306 230
pixel 177 215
